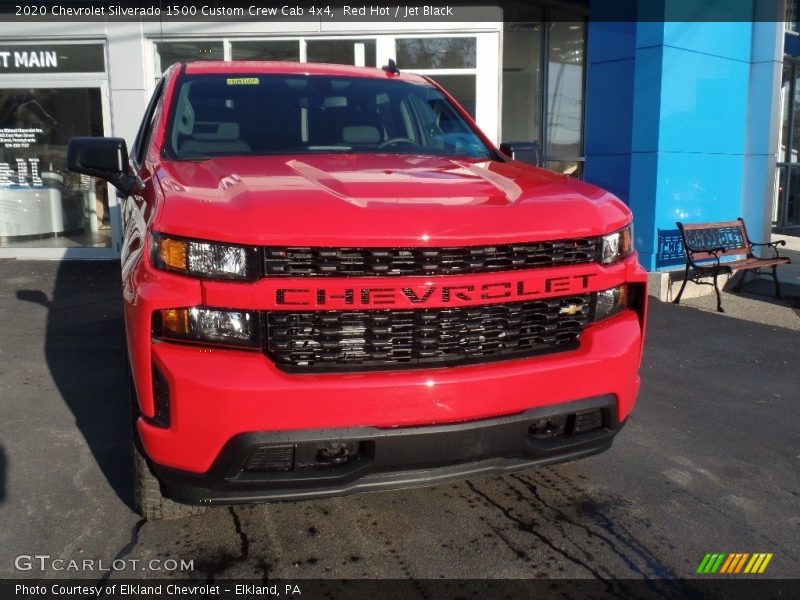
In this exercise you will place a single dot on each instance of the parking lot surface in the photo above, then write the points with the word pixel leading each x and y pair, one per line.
pixel 708 462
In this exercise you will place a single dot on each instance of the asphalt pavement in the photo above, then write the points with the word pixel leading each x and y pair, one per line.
pixel 708 462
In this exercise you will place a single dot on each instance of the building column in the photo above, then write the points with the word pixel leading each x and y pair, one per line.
pixel 681 124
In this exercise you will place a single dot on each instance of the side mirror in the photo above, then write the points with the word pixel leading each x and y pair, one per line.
pixel 106 158
pixel 527 152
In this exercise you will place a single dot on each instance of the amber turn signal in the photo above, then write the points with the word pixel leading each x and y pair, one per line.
pixel 175 321
pixel 172 253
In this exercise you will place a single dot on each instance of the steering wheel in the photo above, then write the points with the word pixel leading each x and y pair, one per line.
pixel 395 140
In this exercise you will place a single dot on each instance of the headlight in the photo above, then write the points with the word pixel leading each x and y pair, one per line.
pixel 227 327
pixel 616 246
pixel 204 259
pixel 610 302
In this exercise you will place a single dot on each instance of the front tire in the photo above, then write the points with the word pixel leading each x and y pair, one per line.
pixel 150 502
pixel 148 499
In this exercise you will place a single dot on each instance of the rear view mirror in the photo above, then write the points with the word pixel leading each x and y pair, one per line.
pixel 99 157
pixel 103 157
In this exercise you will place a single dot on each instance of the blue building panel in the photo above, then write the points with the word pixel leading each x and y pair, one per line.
pixel 611 172
pixel 669 249
pixel 703 103
pixel 643 187
pixel 694 109
pixel 696 188
pixel 611 41
pixel 649 34
pixel 725 39
pixel 647 98
pixel 609 128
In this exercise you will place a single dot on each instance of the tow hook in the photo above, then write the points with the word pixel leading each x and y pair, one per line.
pixel 336 453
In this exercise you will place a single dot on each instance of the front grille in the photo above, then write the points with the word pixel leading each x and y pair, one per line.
pixel 365 262
pixel 386 339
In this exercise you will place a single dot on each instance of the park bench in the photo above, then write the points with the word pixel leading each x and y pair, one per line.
pixel 705 243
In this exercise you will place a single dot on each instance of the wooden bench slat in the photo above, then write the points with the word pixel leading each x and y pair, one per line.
pixel 690 226
pixel 756 263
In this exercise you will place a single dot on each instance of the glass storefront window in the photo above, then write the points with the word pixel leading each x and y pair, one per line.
pixel 786 213
pixel 543 84
pixel 451 61
pixel 41 202
pixel 789 196
pixel 441 59
pixel 565 90
pixel 285 50
pixel 522 82
pixel 573 168
pixel 461 87
pixel 341 52
pixel 168 53
pixel 795 108
pixel 436 53
pixel 786 90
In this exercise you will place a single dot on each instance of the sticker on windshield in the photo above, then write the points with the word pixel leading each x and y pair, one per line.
pixel 243 81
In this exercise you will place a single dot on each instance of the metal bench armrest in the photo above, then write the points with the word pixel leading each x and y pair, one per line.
pixel 691 251
pixel 773 245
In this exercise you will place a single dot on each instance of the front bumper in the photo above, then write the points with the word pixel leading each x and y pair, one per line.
pixel 395 458
pixel 242 392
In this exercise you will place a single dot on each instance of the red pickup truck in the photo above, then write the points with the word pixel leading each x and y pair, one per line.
pixel 333 282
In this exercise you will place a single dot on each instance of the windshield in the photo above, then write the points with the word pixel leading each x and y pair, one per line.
pixel 239 115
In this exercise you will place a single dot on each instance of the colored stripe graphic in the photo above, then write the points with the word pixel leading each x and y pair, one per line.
pixel 764 564
pixel 703 563
pixel 742 560
pixel 711 563
pixel 754 563
pixel 758 563
pixel 717 564
pixel 727 564
pixel 734 563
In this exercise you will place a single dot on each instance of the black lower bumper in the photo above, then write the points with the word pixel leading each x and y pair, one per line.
pixel 293 465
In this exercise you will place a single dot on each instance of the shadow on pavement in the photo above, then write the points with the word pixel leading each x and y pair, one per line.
pixel 764 291
pixel 85 353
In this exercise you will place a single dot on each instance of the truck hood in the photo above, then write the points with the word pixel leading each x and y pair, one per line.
pixel 378 200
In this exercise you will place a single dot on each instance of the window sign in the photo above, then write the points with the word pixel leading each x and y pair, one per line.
pixel 52 58
pixel 39 197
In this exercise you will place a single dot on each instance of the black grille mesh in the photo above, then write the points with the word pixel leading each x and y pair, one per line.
pixel 365 262
pixel 366 340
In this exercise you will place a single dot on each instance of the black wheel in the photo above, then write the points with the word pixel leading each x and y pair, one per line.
pixel 148 499
pixel 150 502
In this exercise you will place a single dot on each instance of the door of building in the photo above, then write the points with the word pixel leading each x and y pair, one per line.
pixel 786 213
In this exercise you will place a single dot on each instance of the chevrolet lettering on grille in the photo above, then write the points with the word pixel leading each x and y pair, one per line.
pixel 428 295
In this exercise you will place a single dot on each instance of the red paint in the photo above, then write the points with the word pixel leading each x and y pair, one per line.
pixel 378 200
